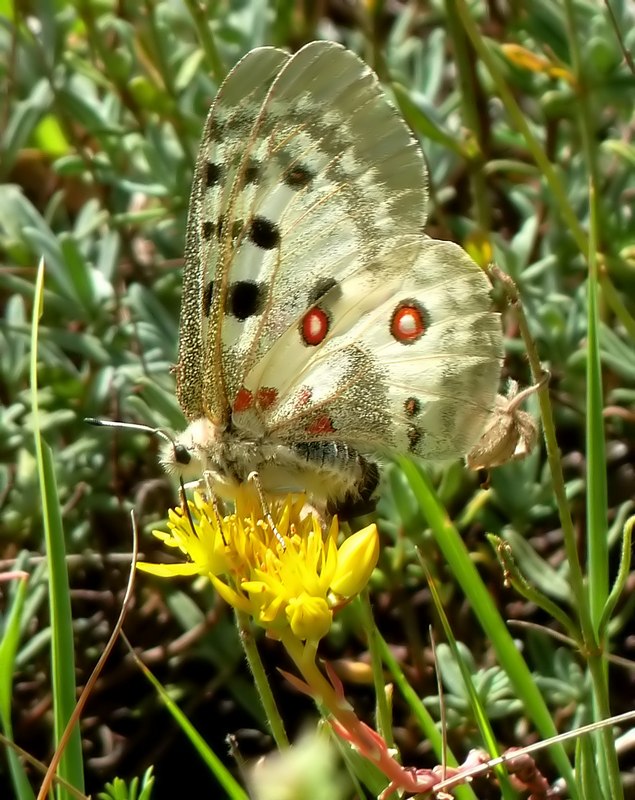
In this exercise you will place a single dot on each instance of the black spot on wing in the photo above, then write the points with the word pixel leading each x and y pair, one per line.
pixel 320 288
pixel 414 437
pixel 252 171
pixel 245 299
pixel 264 233
pixel 297 176
pixel 215 130
pixel 213 174
pixel 207 230
pixel 412 406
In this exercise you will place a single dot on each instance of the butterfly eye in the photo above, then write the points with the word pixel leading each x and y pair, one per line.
pixel 181 454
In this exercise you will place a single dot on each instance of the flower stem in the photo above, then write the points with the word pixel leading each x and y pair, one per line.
pixel 384 724
pixel 263 687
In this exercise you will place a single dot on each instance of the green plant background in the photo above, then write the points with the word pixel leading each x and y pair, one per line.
pixel 101 110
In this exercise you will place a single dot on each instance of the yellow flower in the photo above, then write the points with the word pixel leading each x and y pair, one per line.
pixel 530 61
pixel 293 577
pixel 356 559
pixel 309 617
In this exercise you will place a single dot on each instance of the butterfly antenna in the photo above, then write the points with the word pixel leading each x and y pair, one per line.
pixel 178 449
pixel 254 478
pixel 133 426
pixel 185 506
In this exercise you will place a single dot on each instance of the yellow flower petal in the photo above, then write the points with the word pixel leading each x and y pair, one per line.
pixel 530 61
pixel 168 570
pixel 230 596
pixel 309 617
pixel 356 559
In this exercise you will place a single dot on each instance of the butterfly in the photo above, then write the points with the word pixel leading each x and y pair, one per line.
pixel 320 327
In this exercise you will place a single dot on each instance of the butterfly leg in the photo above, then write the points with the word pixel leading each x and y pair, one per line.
pixel 185 508
pixel 211 497
pixel 254 478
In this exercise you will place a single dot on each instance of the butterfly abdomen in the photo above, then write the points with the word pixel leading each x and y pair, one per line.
pixel 354 493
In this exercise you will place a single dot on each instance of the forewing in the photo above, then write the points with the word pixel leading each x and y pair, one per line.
pixel 335 180
pixel 219 167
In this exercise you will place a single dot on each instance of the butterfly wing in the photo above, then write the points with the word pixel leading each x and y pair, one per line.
pixel 290 196
pixel 220 168
pixel 410 361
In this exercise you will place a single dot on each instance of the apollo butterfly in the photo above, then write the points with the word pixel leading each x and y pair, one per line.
pixel 320 327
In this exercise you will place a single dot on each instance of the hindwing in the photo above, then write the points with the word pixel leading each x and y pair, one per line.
pixel 408 362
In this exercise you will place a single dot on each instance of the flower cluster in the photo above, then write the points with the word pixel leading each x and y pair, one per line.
pixel 283 571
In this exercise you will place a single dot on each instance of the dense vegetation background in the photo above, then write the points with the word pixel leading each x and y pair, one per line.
pixel 525 114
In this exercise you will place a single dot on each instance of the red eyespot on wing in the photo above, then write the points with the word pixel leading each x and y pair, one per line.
pixel 412 406
pixel 314 326
pixel 304 396
pixel 408 322
pixel 243 400
pixel 266 396
pixel 322 424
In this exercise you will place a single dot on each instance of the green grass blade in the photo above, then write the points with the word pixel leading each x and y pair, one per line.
pixel 487 614
pixel 71 767
pixel 233 789
pixel 8 649
pixel 597 504
pixel 478 709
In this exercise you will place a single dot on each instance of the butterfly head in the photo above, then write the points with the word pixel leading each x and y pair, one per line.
pixel 188 455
